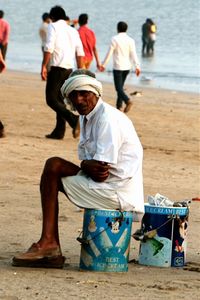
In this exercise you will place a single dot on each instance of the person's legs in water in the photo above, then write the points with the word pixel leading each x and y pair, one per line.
pixel 47 252
pixel 151 46
pixel 144 45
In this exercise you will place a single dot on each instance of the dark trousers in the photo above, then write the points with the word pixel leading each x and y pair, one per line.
pixel 144 44
pixel 150 46
pixel 119 80
pixel 55 79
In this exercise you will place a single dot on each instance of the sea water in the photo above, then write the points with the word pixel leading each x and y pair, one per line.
pixel 174 65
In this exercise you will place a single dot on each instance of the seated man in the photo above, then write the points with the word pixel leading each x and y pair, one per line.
pixel 109 175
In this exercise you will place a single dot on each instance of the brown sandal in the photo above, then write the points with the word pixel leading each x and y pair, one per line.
pixel 36 257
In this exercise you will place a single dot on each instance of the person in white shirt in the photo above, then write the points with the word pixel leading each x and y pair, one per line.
pixel 43 32
pixel 43 29
pixel 122 48
pixel 109 175
pixel 63 48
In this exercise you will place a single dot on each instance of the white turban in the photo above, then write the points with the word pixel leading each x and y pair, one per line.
pixel 81 83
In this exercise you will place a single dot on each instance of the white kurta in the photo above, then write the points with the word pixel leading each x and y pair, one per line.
pixel 110 136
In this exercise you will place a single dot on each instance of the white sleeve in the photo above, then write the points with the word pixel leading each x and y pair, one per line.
pixel 133 54
pixel 79 45
pixel 109 53
pixel 51 36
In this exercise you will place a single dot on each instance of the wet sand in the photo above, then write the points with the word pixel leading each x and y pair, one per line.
pixel 168 123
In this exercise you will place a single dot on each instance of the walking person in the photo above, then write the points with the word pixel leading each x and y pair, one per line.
pixel 2 68
pixel 88 39
pixel 43 33
pixel 4 34
pixel 62 49
pixel 122 48
pixel 43 29
pixel 109 175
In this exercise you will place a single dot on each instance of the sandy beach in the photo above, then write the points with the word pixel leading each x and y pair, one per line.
pixel 168 123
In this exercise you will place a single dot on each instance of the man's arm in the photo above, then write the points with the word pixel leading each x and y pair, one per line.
pixel 42 33
pixel 79 50
pixel 97 170
pixel 79 61
pixel 97 58
pixel 46 58
pixel 134 58
pixel 108 56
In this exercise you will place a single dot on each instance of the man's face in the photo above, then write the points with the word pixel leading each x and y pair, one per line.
pixel 83 101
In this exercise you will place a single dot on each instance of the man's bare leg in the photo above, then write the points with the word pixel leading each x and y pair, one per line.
pixel 50 185
pixel 46 252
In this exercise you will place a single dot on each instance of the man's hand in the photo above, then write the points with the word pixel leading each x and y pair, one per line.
pixel 137 72
pixel 46 59
pixel 101 68
pixel 98 171
pixel 44 73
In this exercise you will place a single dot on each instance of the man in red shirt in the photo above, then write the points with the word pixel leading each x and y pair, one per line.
pixel 4 34
pixel 89 42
